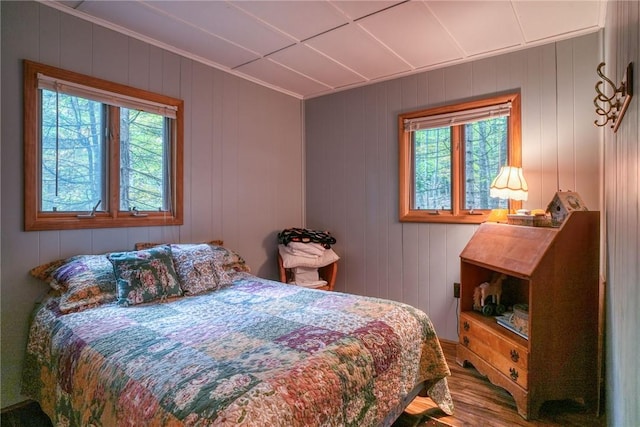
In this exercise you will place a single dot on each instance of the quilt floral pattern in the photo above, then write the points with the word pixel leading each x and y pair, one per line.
pixel 254 352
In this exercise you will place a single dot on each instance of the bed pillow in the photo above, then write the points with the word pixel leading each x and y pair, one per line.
pixel 45 272
pixel 197 268
pixel 230 261
pixel 83 281
pixel 145 276
pixel 146 245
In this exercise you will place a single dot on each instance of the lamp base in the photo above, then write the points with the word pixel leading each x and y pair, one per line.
pixel 498 215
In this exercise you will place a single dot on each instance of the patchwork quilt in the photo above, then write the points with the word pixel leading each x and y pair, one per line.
pixel 254 352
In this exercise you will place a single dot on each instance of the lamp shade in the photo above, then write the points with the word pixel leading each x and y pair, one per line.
pixel 509 184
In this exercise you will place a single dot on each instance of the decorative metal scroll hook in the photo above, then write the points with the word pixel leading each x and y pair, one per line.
pixel 612 108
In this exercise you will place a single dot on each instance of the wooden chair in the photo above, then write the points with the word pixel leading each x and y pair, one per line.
pixel 326 273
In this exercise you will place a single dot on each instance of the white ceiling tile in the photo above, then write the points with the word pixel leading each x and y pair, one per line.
pixel 228 22
pixel 310 47
pixel 356 9
pixel 276 75
pixel 355 49
pixel 317 66
pixel 150 23
pixel 420 40
pixel 299 19
pixel 544 19
pixel 479 26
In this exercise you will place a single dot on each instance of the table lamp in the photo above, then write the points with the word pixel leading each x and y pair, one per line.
pixel 509 184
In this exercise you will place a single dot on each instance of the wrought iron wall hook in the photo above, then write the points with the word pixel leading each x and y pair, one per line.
pixel 612 108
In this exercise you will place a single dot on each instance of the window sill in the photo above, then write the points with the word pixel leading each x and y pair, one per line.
pixel 444 217
pixel 45 221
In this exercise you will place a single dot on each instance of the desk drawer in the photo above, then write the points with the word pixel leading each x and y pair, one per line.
pixel 481 336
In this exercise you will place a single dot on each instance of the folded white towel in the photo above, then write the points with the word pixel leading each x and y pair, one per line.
pixel 294 252
pixel 299 248
pixel 305 274
pixel 290 260
pixel 318 284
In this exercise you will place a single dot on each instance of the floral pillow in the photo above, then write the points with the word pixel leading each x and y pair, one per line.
pixel 197 268
pixel 45 272
pixel 229 260
pixel 84 281
pixel 144 276
pixel 147 245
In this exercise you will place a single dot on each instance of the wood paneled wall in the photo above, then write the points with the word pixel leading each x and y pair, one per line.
pixel 243 158
pixel 622 206
pixel 352 166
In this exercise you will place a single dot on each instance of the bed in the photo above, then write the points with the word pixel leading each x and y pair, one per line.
pixel 208 343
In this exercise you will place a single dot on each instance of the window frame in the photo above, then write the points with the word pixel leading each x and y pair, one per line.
pixel 35 219
pixel 457 214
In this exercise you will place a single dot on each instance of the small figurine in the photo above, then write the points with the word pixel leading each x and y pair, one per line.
pixel 493 289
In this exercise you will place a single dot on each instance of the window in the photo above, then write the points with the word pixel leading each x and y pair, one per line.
pixel 449 155
pixel 99 154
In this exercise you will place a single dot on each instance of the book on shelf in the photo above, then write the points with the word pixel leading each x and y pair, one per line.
pixel 505 321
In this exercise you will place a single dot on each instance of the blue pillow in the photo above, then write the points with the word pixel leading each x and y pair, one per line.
pixel 145 276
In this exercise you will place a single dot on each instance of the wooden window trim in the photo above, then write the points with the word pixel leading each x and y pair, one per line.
pixel 34 219
pixel 457 214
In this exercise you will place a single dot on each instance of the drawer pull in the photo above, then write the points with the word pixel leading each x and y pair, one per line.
pixel 513 373
pixel 466 326
pixel 515 356
pixel 465 341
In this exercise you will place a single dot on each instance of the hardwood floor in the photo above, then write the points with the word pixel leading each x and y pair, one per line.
pixel 480 403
